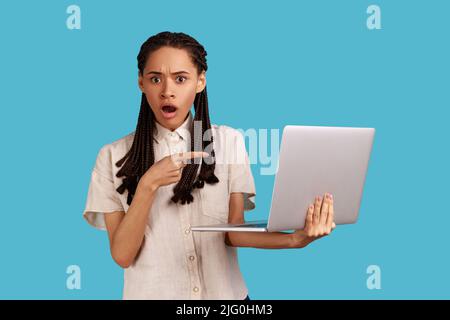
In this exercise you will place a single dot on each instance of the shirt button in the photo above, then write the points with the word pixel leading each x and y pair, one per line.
pixel 195 289
pixel 191 258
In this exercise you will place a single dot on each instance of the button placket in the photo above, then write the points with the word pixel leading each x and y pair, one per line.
pixel 189 245
pixel 175 143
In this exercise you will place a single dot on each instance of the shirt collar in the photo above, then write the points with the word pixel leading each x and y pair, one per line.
pixel 182 131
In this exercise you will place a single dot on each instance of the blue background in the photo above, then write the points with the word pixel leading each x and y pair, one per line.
pixel 65 93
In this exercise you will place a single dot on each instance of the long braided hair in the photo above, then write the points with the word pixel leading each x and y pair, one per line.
pixel 141 155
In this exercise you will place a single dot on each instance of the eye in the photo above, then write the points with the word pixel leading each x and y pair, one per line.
pixel 151 79
pixel 182 78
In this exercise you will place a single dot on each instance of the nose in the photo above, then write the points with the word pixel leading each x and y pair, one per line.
pixel 167 91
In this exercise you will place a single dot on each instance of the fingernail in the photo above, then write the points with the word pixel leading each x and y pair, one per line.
pixel 331 196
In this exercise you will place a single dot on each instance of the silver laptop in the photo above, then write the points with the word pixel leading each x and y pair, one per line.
pixel 314 160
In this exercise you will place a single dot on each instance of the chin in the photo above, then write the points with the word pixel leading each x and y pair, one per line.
pixel 171 123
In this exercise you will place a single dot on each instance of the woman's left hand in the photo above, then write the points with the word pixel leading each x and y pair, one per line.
pixel 319 222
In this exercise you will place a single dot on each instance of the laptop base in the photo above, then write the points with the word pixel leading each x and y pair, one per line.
pixel 250 226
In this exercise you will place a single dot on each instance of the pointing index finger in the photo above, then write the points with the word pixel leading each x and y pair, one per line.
pixel 194 154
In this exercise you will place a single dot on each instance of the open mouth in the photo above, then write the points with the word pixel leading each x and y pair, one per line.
pixel 169 111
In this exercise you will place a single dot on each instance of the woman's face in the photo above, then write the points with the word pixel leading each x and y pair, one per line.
pixel 170 78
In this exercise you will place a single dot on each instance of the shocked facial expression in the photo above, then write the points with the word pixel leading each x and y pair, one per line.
pixel 170 82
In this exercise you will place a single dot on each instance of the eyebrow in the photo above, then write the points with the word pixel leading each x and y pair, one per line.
pixel 173 73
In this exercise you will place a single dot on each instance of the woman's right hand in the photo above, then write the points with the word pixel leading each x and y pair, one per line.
pixel 168 170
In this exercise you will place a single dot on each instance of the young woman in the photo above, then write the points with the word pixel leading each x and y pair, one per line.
pixel 149 187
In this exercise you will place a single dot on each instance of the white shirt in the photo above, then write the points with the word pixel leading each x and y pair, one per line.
pixel 174 262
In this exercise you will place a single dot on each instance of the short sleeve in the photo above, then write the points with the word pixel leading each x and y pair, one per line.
pixel 240 173
pixel 102 196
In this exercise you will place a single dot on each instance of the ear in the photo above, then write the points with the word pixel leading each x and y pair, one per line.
pixel 201 83
pixel 140 81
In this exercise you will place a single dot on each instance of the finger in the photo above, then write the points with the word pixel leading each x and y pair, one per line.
pixel 177 166
pixel 175 173
pixel 330 219
pixel 186 157
pixel 194 154
pixel 309 216
pixel 324 209
pixel 174 180
pixel 317 205
pixel 178 160
pixel 178 173
pixel 333 226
